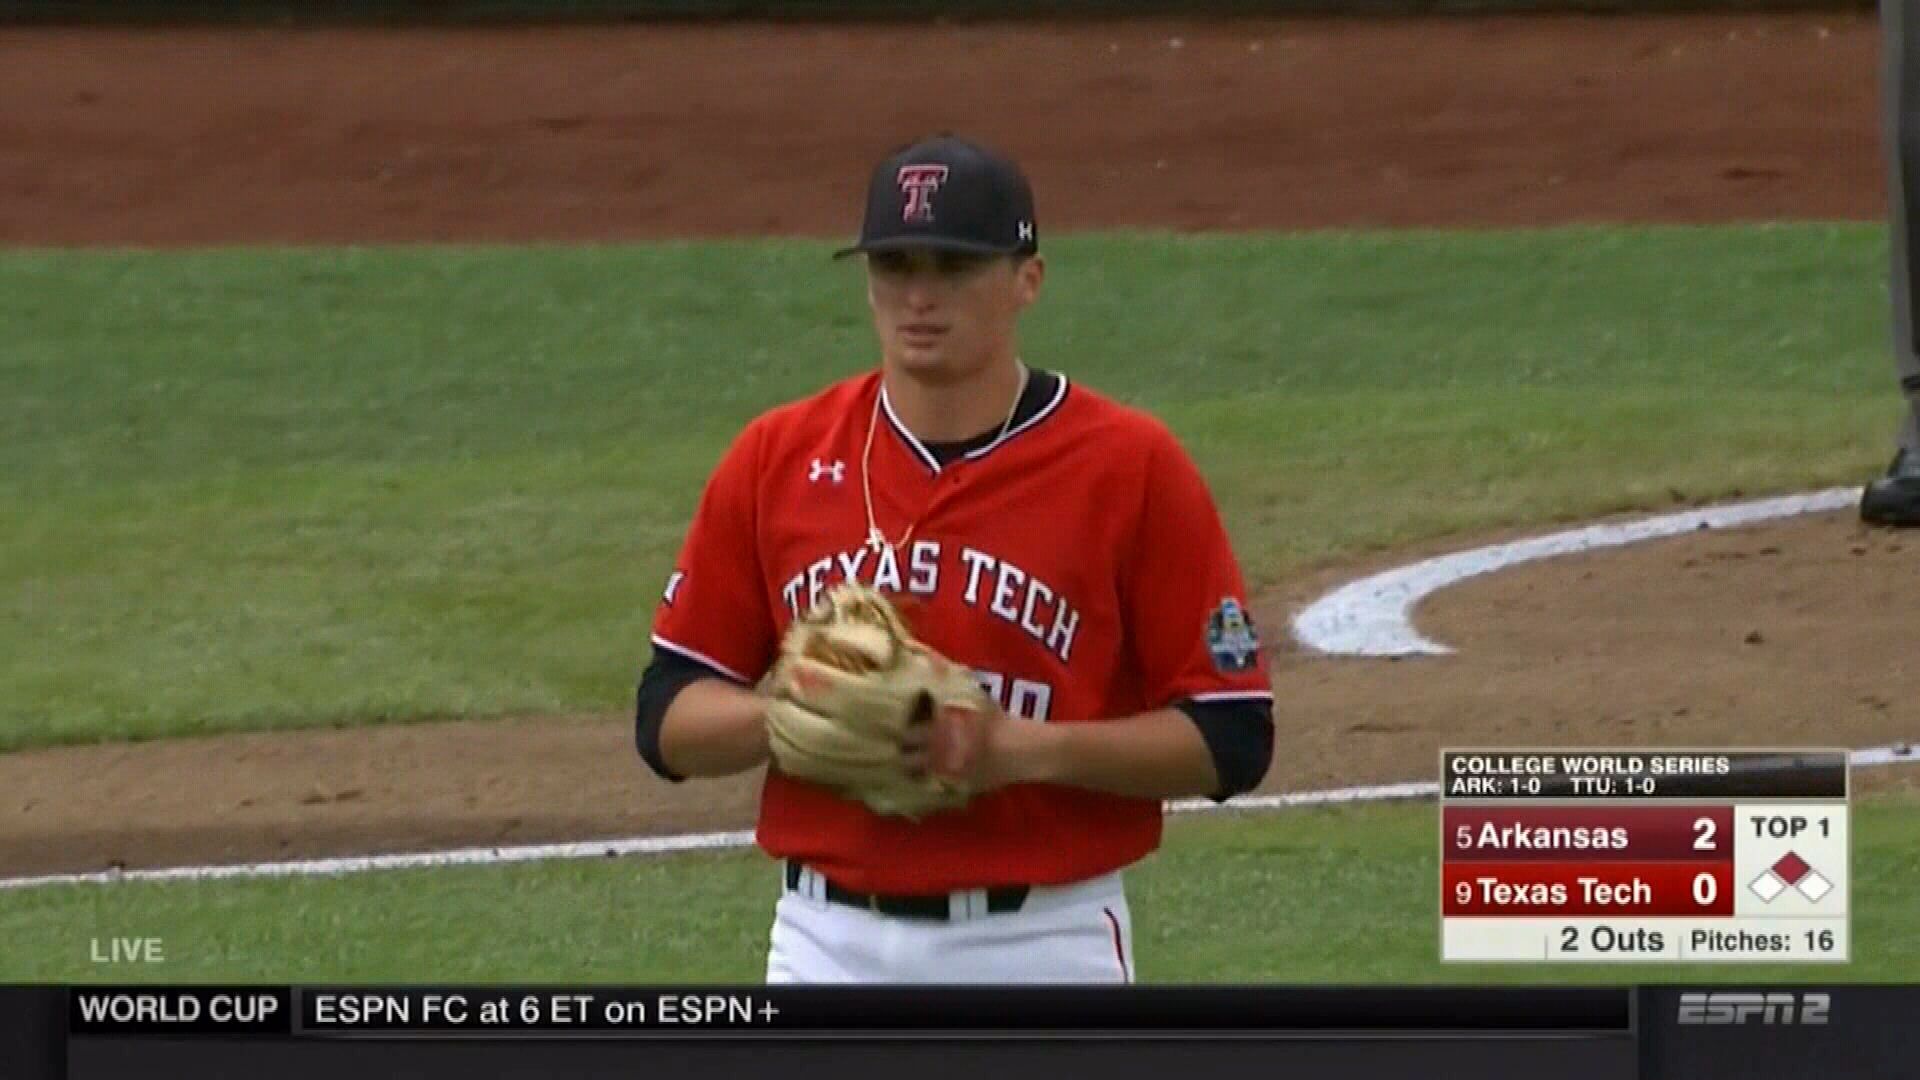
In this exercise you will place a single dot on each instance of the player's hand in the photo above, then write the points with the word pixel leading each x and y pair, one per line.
pixel 983 748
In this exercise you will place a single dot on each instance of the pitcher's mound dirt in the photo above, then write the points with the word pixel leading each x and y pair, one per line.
pixel 1792 634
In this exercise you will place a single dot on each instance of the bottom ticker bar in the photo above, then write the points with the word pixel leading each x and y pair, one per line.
pixel 504 1012
pixel 1651 1033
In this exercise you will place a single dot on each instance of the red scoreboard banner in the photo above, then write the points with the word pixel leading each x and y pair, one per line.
pixel 1683 855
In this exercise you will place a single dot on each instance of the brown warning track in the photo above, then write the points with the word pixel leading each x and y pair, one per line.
pixel 158 138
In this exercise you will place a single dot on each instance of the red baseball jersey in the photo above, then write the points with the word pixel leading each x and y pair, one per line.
pixel 1077 565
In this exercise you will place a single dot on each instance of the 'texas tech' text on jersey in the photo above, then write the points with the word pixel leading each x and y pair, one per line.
pixel 1077 565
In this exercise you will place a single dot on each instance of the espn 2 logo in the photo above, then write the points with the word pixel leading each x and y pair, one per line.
pixel 1728 1008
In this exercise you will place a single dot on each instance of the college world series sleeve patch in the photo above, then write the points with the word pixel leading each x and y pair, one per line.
pixel 1231 637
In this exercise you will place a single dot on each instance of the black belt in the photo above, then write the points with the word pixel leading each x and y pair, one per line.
pixel 1001 900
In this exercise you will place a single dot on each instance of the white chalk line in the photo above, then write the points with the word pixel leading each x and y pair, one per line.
pixel 1374 616
pixel 1352 607
pixel 724 841
pixel 607 849
pixel 417 860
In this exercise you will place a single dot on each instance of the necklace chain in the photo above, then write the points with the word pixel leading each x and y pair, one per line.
pixel 877 539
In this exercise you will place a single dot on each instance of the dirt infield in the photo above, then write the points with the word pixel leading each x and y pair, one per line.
pixel 160 138
pixel 1796 633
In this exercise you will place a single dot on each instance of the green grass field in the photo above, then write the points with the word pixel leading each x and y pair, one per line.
pixel 273 489
pixel 253 489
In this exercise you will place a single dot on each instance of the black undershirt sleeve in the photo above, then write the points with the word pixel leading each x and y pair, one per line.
pixel 1239 735
pixel 666 675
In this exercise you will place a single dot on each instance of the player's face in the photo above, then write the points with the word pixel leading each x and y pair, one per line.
pixel 945 315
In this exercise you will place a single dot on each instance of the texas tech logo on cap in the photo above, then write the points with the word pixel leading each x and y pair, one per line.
pixel 919 182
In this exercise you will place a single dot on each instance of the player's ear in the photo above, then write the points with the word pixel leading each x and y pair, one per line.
pixel 1028 274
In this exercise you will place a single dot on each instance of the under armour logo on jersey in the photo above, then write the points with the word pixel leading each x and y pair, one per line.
pixel 919 182
pixel 819 469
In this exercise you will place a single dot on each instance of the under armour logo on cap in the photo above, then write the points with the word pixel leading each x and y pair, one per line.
pixel 919 182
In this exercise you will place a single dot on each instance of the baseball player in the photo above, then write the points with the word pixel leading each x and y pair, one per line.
pixel 1894 499
pixel 1062 547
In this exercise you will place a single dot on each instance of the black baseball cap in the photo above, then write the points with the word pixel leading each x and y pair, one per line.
pixel 948 194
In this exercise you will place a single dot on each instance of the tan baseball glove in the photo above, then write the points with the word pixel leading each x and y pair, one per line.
pixel 850 682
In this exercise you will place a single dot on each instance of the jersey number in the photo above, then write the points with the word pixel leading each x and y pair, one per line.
pixel 1027 700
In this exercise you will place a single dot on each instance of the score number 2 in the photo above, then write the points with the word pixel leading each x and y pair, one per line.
pixel 1704 832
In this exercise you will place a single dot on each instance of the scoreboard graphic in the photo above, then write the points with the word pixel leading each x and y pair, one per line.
pixel 1646 856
